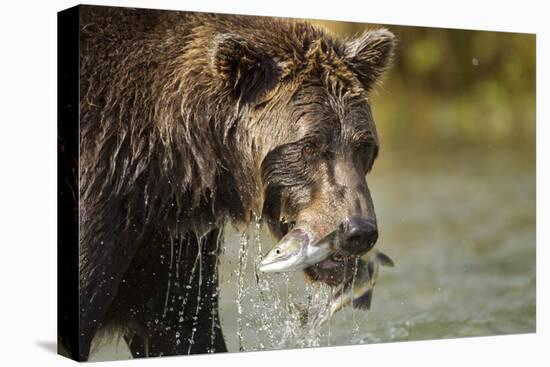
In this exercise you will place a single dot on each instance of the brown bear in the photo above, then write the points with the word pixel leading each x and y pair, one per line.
pixel 188 121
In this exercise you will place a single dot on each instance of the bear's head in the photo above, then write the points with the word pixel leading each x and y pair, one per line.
pixel 308 128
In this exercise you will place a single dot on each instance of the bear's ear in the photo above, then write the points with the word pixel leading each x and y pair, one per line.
pixel 370 54
pixel 244 69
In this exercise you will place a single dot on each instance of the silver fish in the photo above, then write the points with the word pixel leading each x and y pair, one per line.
pixel 356 292
pixel 297 251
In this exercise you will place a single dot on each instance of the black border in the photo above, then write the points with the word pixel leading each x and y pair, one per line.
pixel 68 70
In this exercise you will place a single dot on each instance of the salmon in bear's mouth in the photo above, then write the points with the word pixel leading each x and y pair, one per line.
pixel 300 249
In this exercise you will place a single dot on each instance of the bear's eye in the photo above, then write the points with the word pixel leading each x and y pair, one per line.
pixel 309 150
pixel 365 153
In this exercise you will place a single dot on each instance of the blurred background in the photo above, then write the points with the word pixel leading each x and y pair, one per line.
pixel 455 88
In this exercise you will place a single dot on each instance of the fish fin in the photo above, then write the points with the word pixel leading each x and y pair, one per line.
pixel 364 301
pixel 370 269
pixel 384 259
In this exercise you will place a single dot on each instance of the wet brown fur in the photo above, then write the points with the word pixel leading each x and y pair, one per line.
pixel 189 120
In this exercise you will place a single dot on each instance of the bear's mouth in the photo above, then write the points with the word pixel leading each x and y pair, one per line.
pixel 332 270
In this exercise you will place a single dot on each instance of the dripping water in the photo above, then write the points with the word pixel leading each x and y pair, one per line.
pixel 355 328
pixel 191 340
pixel 169 278
pixel 215 295
pixel 331 300
pixel 262 285
pixel 243 254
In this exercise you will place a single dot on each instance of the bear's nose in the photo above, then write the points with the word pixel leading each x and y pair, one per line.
pixel 358 235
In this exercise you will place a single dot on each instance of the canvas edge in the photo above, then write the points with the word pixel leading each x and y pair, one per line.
pixel 68 70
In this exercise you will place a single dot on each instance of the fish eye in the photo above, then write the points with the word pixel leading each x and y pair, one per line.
pixel 277 251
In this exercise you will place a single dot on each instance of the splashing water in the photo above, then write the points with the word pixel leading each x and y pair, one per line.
pixel 261 284
pixel 265 303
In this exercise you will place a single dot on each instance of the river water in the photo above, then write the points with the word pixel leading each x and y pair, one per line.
pixel 460 227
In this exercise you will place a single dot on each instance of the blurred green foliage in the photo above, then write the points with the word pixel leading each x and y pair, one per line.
pixel 455 88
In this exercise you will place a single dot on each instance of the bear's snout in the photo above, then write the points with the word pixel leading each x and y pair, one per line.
pixel 358 234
